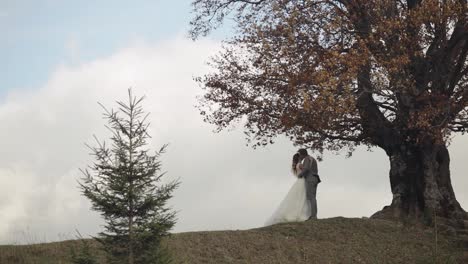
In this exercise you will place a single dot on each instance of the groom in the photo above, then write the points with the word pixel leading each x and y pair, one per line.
pixel 310 173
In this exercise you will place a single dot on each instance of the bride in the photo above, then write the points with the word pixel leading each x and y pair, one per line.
pixel 294 207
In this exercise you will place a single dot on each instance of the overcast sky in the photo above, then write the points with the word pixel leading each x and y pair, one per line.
pixel 62 57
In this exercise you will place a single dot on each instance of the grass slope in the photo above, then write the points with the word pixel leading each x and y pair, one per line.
pixel 334 240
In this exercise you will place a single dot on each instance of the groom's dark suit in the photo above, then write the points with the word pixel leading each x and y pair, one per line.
pixel 310 174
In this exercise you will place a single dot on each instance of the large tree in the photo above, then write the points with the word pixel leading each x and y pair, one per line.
pixel 336 74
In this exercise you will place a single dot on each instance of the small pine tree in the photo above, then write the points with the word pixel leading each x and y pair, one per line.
pixel 124 185
pixel 82 253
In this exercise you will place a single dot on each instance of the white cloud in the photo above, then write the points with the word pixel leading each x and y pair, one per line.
pixel 225 185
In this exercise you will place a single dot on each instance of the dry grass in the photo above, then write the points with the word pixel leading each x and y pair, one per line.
pixel 335 240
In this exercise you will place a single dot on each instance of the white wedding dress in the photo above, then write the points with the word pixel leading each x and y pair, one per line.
pixel 295 207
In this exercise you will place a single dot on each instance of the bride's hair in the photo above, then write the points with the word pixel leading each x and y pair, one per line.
pixel 295 160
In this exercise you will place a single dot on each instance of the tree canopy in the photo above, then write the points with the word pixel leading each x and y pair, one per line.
pixel 334 74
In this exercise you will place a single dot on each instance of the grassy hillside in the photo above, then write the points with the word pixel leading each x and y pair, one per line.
pixel 335 240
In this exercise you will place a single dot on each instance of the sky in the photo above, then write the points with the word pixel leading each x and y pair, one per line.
pixel 60 58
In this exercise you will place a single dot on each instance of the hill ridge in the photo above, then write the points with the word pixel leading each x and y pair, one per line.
pixel 331 240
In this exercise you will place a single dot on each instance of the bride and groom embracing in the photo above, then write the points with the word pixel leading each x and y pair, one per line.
pixel 300 203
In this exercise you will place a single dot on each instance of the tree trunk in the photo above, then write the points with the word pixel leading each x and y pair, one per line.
pixel 131 257
pixel 421 185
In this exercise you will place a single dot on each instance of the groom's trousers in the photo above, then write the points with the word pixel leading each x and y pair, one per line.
pixel 311 193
